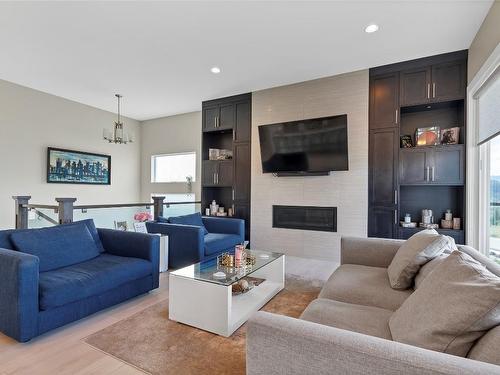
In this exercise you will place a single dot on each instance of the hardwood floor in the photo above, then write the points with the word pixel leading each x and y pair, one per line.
pixel 63 350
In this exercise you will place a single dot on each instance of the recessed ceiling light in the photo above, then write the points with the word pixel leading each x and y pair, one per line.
pixel 371 28
pixel 215 70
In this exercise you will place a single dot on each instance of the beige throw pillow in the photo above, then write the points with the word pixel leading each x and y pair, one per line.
pixel 427 268
pixel 453 307
pixel 415 252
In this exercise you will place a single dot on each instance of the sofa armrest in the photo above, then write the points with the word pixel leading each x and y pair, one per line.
pixel 282 345
pixel 374 252
pixel 19 274
pixel 133 245
pixel 186 243
pixel 225 225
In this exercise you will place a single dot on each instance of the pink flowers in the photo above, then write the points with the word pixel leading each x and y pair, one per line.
pixel 143 216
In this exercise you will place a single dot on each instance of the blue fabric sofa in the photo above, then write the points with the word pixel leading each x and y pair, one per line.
pixel 52 276
pixel 189 243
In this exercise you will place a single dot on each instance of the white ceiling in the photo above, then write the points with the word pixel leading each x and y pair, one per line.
pixel 158 55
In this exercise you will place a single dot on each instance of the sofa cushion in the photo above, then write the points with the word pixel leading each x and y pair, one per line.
pixel 93 232
pixel 487 348
pixel 363 285
pixel 58 246
pixel 90 278
pixel 162 219
pixel 368 320
pixel 217 242
pixel 5 242
pixel 192 219
pixel 454 306
pixel 427 268
pixel 415 252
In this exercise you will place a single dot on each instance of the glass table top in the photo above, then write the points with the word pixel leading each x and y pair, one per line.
pixel 204 271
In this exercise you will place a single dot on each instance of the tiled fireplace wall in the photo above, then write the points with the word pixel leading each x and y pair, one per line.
pixel 348 191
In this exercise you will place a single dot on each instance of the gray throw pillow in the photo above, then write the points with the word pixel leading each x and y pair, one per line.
pixel 454 306
pixel 415 252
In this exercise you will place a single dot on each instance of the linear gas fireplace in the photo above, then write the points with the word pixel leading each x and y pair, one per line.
pixel 305 217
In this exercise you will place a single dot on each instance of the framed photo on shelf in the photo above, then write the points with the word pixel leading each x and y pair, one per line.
pixel 428 136
pixel 406 141
pixel 77 167
pixel 450 136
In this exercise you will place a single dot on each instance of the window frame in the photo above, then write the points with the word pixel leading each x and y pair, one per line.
pixel 153 166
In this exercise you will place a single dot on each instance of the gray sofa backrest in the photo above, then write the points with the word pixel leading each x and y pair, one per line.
pixel 486 349
pixel 487 262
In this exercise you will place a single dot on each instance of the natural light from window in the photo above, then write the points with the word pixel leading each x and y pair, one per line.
pixel 495 198
pixel 173 167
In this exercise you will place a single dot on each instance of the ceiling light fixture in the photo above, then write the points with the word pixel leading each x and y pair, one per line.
pixel 117 135
pixel 371 28
pixel 215 70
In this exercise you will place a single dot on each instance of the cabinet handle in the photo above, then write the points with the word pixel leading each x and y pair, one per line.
pixel 396 116
pixel 217 175
pixel 432 171
pixel 214 178
pixel 218 121
pixel 427 173
pixel 395 216
pixel 395 197
pixel 428 91
pixel 433 89
pixel 233 194
pixel 215 121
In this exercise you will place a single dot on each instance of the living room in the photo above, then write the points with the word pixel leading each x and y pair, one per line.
pixel 250 187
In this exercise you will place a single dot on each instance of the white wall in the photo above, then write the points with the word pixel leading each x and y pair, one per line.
pixel 180 133
pixel 30 121
pixel 348 191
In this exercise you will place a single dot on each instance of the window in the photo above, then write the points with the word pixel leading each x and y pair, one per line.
pixel 173 167
pixel 494 199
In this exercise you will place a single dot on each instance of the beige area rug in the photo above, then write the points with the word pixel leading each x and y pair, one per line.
pixel 151 342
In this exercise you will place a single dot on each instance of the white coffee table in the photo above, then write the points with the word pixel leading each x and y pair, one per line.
pixel 198 299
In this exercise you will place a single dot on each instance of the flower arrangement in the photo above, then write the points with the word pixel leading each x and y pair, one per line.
pixel 143 216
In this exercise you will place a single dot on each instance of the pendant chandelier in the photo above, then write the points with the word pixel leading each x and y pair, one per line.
pixel 117 135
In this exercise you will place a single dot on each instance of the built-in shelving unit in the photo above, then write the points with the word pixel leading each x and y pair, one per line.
pixel 226 124
pixel 404 97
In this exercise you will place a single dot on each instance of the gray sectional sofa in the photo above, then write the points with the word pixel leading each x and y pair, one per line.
pixel 346 330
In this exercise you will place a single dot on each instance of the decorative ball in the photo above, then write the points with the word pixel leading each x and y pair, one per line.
pixel 244 284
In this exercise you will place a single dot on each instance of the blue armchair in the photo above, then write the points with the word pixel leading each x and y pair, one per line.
pixel 188 244
pixel 52 276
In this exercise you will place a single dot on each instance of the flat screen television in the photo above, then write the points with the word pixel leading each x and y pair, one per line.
pixel 305 146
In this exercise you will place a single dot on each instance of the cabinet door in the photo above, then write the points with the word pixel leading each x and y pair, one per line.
pixel 415 86
pixel 243 128
pixel 382 222
pixel 241 154
pixel 448 81
pixel 209 172
pixel 226 116
pixel 383 167
pixel 415 166
pixel 210 115
pixel 242 211
pixel 448 166
pixel 384 101
pixel 225 173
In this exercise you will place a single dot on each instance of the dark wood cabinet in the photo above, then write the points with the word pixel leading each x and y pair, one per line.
pixel 435 165
pixel 227 124
pixel 382 222
pixel 415 86
pixel 404 97
pixel 433 83
pixel 448 165
pixel 243 127
pixel 449 81
pixel 210 115
pixel 414 166
pixel 242 172
pixel 384 101
pixel 383 167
